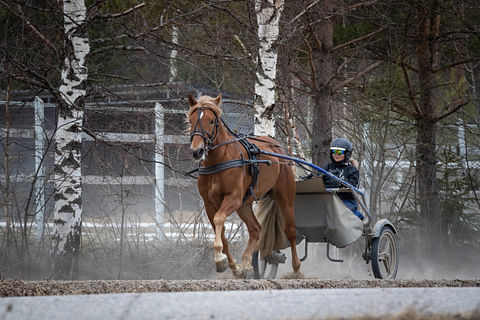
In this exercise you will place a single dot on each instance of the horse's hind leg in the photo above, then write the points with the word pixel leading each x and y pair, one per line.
pixel 284 195
pixel 246 214
pixel 292 236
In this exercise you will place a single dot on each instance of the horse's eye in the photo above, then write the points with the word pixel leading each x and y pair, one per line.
pixel 212 122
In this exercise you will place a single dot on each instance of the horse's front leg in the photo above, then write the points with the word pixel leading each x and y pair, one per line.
pixel 231 260
pixel 220 246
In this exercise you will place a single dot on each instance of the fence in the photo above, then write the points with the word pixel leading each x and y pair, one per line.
pixel 133 158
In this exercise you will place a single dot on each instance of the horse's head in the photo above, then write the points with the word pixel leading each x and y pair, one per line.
pixel 204 117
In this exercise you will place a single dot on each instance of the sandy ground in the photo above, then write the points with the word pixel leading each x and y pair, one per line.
pixel 9 288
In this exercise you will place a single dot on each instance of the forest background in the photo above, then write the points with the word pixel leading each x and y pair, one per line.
pixel 400 79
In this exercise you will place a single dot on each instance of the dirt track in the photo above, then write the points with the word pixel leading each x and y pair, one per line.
pixel 43 288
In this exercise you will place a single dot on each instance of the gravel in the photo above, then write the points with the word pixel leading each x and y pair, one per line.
pixel 11 288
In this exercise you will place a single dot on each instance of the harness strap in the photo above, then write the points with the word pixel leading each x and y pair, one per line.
pixel 225 143
pixel 252 151
pixel 229 165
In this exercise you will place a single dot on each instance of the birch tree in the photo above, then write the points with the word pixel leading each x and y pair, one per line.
pixel 68 142
pixel 268 16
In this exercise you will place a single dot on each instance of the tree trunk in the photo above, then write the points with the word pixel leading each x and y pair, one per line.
pixel 475 80
pixel 68 143
pixel 322 60
pixel 322 128
pixel 426 170
pixel 268 16
pixel 6 149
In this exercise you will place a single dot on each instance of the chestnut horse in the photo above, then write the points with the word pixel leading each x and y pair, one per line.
pixel 225 184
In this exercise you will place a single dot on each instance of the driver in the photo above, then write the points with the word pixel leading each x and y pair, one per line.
pixel 343 167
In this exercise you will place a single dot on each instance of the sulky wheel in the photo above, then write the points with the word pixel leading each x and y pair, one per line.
pixel 385 254
pixel 267 268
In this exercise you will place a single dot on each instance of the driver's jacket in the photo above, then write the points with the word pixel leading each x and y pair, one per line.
pixel 346 172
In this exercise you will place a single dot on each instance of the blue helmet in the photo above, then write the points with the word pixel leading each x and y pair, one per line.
pixel 342 143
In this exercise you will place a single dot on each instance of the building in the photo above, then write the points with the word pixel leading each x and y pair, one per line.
pixel 134 153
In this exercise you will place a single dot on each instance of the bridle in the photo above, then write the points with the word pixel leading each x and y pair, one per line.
pixel 208 138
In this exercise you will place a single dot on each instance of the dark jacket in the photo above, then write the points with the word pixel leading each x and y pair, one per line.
pixel 346 172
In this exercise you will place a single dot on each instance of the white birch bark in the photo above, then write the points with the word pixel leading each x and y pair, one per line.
pixel 268 16
pixel 173 55
pixel 68 176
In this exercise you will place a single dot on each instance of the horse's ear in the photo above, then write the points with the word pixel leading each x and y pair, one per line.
pixel 218 99
pixel 191 100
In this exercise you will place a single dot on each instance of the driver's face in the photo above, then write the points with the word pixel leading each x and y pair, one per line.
pixel 338 157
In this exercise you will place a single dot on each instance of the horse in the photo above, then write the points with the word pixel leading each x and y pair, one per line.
pixel 227 182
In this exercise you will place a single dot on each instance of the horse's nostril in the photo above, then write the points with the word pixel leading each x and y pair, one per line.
pixel 197 153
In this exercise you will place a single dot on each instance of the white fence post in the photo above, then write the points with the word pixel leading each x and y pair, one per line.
pixel 462 143
pixel 461 139
pixel 159 169
pixel 39 113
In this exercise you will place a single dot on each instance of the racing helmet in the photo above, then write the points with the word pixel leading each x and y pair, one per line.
pixel 342 144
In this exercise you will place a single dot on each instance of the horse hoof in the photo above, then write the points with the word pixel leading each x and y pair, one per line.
pixel 222 264
pixel 294 275
pixel 244 273
pixel 249 273
pixel 239 274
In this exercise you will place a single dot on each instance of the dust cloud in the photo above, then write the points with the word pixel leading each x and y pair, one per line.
pixel 451 264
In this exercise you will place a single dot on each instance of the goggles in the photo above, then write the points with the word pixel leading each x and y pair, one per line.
pixel 337 151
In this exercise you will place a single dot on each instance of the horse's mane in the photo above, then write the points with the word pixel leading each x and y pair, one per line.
pixel 206 102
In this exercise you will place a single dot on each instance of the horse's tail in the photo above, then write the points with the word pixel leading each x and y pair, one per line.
pixel 270 217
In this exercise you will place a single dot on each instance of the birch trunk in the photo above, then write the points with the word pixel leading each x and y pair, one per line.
pixel 68 142
pixel 268 16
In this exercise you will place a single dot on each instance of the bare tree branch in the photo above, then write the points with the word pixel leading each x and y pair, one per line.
pixel 120 14
pixel 457 63
pixel 313 83
pixel 356 76
pixel 33 78
pixel 302 78
pixel 304 11
pixel 344 10
pixel 343 45
pixel 117 47
pixel 20 15
pixel 411 93
pixel 453 107
pixel 405 110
